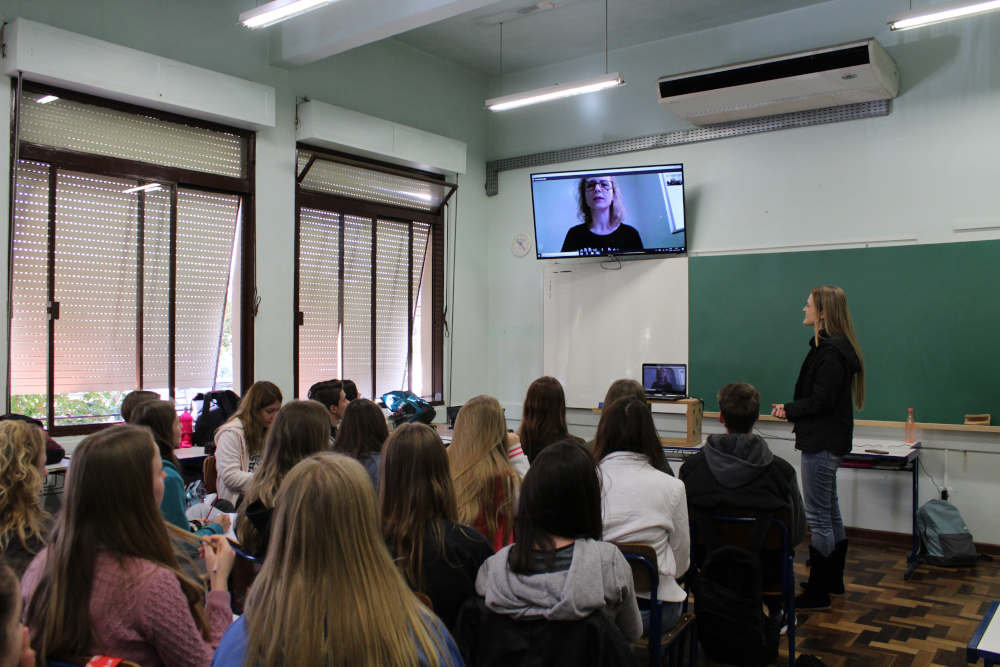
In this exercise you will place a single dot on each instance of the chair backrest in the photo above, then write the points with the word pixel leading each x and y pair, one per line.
pixel 488 639
pixel 210 474
pixel 736 533
pixel 644 577
pixel 425 599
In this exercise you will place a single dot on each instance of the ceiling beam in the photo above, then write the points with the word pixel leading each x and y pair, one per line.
pixel 349 24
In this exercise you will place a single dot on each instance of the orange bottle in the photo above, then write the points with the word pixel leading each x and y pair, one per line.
pixel 910 430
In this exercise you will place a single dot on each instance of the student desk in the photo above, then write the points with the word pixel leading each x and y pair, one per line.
pixel 55 477
pixel 866 454
pixel 985 643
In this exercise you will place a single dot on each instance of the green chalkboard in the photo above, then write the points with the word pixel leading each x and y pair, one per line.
pixel 927 319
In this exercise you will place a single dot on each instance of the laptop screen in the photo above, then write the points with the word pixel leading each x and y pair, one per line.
pixel 665 378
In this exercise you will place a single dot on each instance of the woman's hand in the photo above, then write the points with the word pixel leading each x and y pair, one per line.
pixel 778 410
pixel 224 521
pixel 219 558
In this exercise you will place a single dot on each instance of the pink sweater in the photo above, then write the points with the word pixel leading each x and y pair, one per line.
pixel 138 612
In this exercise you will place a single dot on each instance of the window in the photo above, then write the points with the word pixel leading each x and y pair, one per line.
pixel 127 244
pixel 369 276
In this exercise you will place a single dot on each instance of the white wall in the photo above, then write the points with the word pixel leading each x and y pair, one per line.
pixel 387 80
pixel 909 175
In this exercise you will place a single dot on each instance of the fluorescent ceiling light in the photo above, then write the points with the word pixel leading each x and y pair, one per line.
pixel 149 187
pixel 938 13
pixel 278 11
pixel 46 99
pixel 555 92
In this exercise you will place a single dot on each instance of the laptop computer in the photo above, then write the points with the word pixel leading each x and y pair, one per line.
pixel 665 381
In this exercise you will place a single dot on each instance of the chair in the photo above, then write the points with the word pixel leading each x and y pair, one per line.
pixel 488 639
pixel 245 570
pixel 425 600
pixel 734 527
pixel 646 577
pixel 210 474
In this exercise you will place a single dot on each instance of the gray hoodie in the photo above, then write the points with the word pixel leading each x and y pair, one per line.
pixel 599 577
pixel 736 459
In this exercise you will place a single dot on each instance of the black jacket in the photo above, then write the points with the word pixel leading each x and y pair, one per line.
pixel 823 410
pixel 450 575
pixel 260 518
pixel 488 639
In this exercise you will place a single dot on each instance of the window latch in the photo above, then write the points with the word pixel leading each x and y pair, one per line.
pixel 300 318
pixel 53 310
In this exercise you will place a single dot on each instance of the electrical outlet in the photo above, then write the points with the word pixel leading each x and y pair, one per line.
pixel 947 492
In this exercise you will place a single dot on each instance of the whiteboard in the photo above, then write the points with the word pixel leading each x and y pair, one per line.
pixel 601 325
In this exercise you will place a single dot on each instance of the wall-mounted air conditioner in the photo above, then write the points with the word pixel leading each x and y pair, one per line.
pixel 856 72
pixel 87 65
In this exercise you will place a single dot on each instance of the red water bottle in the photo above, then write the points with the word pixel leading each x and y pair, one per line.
pixel 187 428
pixel 910 430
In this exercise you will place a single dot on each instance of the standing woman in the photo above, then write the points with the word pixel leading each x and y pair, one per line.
pixel 823 413
pixel 543 418
pixel 239 443
pixel 486 485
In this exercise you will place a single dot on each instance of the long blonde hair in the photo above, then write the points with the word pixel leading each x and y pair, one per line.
pixel 21 513
pixel 480 464
pixel 328 593
pixel 300 428
pixel 109 507
pixel 259 396
pixel 832 303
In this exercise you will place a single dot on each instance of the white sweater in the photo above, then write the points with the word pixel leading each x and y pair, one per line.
pixel 646 506
pixel 232 461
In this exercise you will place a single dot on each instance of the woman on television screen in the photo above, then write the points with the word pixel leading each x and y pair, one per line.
pixel 603 213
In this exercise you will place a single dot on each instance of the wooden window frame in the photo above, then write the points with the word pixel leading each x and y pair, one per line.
pixel 104 165
pixel 374 211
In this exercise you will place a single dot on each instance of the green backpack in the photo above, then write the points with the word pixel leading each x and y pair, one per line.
pixel 944 538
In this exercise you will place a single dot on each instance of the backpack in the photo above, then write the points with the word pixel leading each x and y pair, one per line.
pixel 216 408
pixel 944 538
pixel 732 625
pixel 407 407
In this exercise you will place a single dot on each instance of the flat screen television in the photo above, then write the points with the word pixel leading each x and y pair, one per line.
pixel 602 212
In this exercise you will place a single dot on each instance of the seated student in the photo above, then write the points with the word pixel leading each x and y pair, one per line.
pixel 331 394
pixel 300 429
pixel 160 417
pixel 15 640
pixel 362 434
pixel 23 523
pixel 738 470
pixel 239 442
pixel 328 593
pixel 486 485
pixel 350 390
pixel 558 568
pixel 109 582
pixel 643 502
pixel 133 399
pixel 543 418
pixel 620 389
pixel 54 452
pixel 436 556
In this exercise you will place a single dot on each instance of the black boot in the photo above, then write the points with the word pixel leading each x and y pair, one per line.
pixel 838 560
pixel 817 595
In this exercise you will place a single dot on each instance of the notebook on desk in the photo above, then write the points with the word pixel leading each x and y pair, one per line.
pixel 665 381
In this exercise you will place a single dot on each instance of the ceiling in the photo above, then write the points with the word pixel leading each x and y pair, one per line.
pixel 534 37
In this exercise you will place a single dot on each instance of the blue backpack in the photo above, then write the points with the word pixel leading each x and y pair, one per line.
pixel 945 540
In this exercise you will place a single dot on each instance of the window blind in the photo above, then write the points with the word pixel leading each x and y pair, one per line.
pixel 357 315
pixel 29 284
pixel 88 128
pixel 371 185
pixel 156 291
pixel 95 284
pixel 206 224
pixel 319 297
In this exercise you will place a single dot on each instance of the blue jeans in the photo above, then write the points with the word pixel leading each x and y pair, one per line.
pixel 671 614
pixel 819 495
